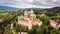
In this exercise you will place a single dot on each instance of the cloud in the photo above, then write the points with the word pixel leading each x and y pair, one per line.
pixel 50 2
pixel 30 3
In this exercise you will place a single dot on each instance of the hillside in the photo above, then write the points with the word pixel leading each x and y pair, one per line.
pixel 55 9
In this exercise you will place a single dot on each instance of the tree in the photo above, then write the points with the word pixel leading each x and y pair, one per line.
pixel 33 30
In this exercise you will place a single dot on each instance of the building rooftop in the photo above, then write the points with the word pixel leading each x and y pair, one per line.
pixel 2 19
pixel 55 23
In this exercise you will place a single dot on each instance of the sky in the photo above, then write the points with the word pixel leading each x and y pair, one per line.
pixel 30 3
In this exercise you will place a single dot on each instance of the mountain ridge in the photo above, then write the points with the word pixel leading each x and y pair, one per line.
pixel 13 8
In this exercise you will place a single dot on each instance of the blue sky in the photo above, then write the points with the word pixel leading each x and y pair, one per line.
pixel 30 3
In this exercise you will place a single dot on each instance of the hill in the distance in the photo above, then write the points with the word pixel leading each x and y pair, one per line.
pixel 13 8
pixel 54 9
pixel 8 8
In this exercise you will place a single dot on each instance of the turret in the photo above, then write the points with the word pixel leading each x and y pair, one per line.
pixel 31 11
pixel 25 13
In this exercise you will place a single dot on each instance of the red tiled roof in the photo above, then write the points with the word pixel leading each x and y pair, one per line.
pixel 1 19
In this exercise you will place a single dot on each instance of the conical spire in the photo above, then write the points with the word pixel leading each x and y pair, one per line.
pixel 26 12
pixel 31 11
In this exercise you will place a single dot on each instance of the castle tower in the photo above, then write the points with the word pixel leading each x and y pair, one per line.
pixel 25 13
pixel 32 15
pixel 31 11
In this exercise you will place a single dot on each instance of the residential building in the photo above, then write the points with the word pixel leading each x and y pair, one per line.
pixel 55 23
pixel 2 19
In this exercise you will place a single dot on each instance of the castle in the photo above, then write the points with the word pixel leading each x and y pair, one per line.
pixel 29 19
